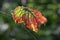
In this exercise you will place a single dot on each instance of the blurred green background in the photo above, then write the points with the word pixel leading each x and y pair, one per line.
pixel 11 31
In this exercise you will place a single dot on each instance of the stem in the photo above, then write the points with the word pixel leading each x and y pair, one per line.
pixel 30 33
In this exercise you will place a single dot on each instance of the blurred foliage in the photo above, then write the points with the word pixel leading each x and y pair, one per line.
pixel 19 32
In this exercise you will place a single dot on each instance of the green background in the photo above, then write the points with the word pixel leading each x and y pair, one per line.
pixel 9 30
